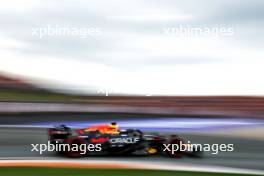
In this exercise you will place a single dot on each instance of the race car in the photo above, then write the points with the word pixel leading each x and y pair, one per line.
pixel 115 141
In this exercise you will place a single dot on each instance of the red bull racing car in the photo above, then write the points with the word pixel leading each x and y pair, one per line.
pixel 110 140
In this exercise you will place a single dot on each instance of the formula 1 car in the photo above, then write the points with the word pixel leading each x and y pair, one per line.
pixel 110 140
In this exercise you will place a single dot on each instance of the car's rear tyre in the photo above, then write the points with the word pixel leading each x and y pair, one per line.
pixel 73 143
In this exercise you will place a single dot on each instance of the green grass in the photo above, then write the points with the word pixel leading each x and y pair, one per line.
pixel 35 171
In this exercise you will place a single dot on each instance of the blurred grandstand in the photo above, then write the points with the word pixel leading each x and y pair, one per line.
pixel 17 90
pixel 11 83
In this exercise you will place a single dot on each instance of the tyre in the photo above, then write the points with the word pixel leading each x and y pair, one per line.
pixel 74 150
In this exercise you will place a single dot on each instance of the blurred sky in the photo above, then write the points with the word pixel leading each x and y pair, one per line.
pixel 133 54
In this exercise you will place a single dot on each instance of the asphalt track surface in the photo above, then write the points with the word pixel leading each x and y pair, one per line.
pixel 15 143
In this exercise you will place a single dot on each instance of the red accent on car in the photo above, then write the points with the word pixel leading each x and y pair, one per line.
pixel 157 138
pixel 81 131
pixel 99 140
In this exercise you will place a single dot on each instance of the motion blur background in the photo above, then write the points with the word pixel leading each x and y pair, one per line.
pixel 193 68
